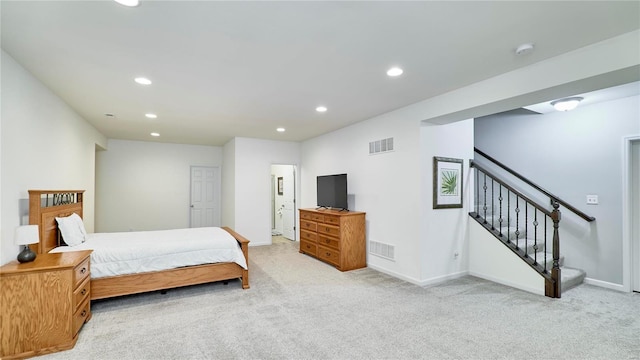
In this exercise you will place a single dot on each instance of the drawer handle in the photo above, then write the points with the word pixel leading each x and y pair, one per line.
pixel 84 313
pixel 84 291
pixel 328 241
pixel 327 229
pixel 308 247
pixel 83 270
pixel 328 254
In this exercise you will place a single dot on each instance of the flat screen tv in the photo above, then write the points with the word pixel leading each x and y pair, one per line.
pixel 332 191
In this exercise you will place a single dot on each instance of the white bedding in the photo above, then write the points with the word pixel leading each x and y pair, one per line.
pixel 144 251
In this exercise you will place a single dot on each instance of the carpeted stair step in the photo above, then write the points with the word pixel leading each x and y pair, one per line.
pixel 570 278
pixel 540 259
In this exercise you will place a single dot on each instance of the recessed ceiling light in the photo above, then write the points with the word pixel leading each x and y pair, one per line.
pixel 130 3
pixel 321 109
pixel 395 71
pixel 151 116
pixel 142 81
pixel 566 104
pixel 155 134
pixel 280 129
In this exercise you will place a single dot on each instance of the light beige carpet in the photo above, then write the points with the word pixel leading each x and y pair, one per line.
pixel 300 308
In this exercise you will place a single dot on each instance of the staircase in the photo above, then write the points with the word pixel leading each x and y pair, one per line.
pixel 528 228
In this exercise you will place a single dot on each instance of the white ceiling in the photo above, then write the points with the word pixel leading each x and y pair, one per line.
pixel 226 69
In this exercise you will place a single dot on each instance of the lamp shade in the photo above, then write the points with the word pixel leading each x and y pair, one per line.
pixel 27 234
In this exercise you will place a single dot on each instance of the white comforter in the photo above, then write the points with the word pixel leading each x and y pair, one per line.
pixel 144 251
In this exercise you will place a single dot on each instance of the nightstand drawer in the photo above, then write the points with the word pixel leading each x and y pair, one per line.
pixel 308 248
pixel 80 272
pixel 82 292
pixel 81 316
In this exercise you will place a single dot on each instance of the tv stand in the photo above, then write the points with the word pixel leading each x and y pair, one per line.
pixel 334 236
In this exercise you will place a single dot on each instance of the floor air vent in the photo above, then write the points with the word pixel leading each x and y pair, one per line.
pixel 380 146
pixel 381 249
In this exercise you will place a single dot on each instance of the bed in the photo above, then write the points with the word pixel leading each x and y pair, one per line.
pixel 46 205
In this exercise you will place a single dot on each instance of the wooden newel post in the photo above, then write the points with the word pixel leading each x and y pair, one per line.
pixel 555 289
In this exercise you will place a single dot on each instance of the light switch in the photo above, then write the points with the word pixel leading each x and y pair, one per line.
pixel 592 199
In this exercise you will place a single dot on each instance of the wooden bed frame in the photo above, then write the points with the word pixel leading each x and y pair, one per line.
pixel 46 205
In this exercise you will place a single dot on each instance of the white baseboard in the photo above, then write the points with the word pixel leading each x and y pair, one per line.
pixel 605 284
pixel 510 284
pixel 415 281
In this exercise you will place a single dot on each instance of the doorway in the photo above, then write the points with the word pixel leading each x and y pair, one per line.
pixel 283 203
pixel 205 196
pixel 634 209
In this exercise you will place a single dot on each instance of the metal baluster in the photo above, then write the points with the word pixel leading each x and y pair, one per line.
pixel 477 193
pixel 484 205
pixel 508 214
pixel 500 218
pixel 535 236
pixel 526 228
pixel 517 210
pixel 545 243
pixel 493 195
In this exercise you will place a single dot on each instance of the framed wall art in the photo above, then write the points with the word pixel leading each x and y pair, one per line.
pixel 447 183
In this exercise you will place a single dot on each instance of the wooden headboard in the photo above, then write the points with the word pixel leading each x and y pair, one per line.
pixel 44 207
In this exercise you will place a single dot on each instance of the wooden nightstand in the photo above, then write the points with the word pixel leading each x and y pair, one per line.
pixel 44 303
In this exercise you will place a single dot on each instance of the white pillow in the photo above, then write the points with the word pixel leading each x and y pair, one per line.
pixel 72 229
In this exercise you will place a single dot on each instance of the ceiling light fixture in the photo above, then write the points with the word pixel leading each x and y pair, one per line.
pixel 151 116
pixel 155 134
pixel 321 109
pixel 524 49
pixel 129 3
pixel 280 129
pixel 566 104
pixel 395 71
pixel 142 81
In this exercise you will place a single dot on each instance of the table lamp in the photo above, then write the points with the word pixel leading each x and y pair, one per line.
pixel 25 235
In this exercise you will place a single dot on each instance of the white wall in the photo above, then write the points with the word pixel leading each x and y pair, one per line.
pixel 490 259
pixel 229 184
pixel 252 192
pixel 386 185
pixel 44 145
pixel 573 154
pixel 444 231
pixel 146 185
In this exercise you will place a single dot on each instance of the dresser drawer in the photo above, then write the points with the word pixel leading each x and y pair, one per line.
pixel 305 215
pixel 81 316
pixel 329 255
pixel 331 219
pixel 308 248
pixel 80 272
pixel 81 292
pixel 317 217
pixel 307 225
pixel 307 236
pixel 329 229
pixel 329 241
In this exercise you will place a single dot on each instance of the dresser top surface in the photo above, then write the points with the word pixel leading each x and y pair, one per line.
pixel 334 212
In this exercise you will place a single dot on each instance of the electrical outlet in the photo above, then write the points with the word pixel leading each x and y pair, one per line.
pixel 592 199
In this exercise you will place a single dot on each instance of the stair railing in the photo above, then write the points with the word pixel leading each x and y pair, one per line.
pixel 527 221
pixel 552 197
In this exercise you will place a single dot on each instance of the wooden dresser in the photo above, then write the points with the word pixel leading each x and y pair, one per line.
pixel 335 237
pixel 44 303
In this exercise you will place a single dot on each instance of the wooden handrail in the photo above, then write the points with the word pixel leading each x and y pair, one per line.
pixel 510 188
pixel 533 185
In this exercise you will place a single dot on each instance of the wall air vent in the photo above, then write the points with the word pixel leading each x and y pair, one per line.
pixel 380 146
pixel 381 249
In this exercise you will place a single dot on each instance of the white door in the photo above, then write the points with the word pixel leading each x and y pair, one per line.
pixel 289 209
pixel 205 196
